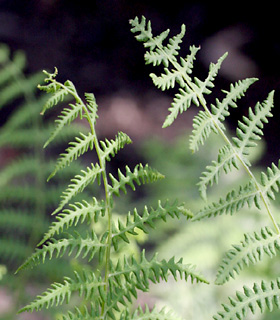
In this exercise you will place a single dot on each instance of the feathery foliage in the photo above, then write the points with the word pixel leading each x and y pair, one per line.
pixel 106 285
pixel 233 155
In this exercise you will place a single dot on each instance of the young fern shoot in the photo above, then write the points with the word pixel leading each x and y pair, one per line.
pixel 234 154
pixel 108 287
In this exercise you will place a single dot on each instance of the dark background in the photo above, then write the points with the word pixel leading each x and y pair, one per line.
pixel 90 43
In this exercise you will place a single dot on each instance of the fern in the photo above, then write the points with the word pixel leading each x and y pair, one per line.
pixel 111 285
pixel 233 155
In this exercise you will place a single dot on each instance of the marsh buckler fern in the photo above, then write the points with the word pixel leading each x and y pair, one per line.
pixel 107 286
pixel 233 155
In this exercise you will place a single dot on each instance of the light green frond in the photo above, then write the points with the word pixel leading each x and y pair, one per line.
pixel 78 212
pixel 271 180
pixel 84 313
pixel 86 285
pixel 153 270
pixel 86 247
pixel 110 148
pixel 265 296
pixel 233 202
pixel 146 219
pixel 79 183
pixel 251 251
pixel 66 117
pixel 202 127
pixel 250 130
pixel 182 101
pixel 140 175
pixel 145 31
pixel 226 162
pixel 75 150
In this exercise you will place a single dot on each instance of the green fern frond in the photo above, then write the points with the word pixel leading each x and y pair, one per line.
pixel 84 313
pixel 66 117
pixel 78 212
pixel 153 270
pixel 147 219
pixel 233 202
pixel 270 181
pixel 91 106
pixel 79 183
pixel 251 250
pixel 87 247
pixel 261 297
pixel 226 162
pixel 250 130
pixel 140 175
pixel 110 148
pixel 75 150
pixel 205 123
pixel 86 285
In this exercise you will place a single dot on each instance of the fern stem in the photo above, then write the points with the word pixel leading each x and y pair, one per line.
pixel 245 166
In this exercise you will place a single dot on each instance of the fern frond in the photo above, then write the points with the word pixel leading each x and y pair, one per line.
pixel 78 212
pixel 110 148
pixel 271 180
pixel 250 130
pixel 153 270
pixel 226 162
pixel 147 219
pixel 204 123
pixel 251 250
pixel 140 175
pixel 66 117
pixel 233 202
pixel 75 150
pixel 91 106
pixel 84 313
pixel 261 297
pixel 79 183
pixel 87 247
pixel 87 285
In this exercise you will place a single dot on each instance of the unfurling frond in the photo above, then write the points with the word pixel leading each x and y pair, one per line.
pixel 261 297
pixel 147 219
pixel 140 175
pixel 79 183
pixel 251 251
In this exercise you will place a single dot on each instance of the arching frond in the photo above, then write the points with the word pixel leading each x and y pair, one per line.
pixel 78 212
pixel 250 130
pixel 140 175
pixel 79 183
pixel 265 296
pixel 86 247
pixel 233 202
pixel 110 148
pixel 75 150
pixel 91 106
pixel 251 251
pixel 145 220
pixel 66 117
pixel 87 285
